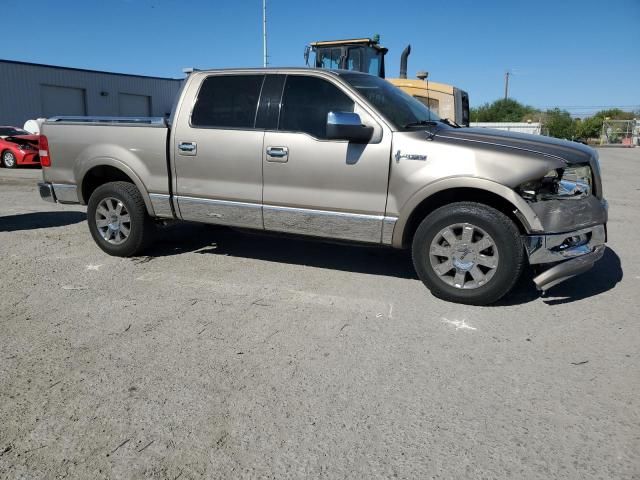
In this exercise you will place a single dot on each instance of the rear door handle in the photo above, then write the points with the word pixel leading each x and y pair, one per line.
pixel 188 148
pixel 277 154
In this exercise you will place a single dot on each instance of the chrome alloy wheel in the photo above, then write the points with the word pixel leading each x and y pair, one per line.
pixel 464 256
pixel 113 220
pixel 9 159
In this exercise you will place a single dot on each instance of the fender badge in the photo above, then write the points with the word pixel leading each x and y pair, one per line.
pixel 409 156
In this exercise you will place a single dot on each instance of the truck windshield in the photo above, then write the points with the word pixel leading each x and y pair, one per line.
pixel 400 108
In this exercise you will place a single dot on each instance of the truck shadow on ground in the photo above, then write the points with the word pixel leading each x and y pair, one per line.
pixel 31 221
pixel 269 247
pixel 202 239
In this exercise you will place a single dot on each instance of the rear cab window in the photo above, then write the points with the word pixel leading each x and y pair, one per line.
pixel 227 101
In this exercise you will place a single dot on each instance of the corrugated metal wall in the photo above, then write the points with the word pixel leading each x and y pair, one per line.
pixel 22 86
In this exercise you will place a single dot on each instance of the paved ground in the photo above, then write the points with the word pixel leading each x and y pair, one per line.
pixel 224 354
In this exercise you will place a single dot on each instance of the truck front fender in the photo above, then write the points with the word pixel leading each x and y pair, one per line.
pixel 523 211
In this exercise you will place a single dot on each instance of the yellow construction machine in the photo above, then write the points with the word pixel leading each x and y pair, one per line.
pixel 367 55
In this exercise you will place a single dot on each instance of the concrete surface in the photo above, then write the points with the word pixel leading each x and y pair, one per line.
pixel 224 354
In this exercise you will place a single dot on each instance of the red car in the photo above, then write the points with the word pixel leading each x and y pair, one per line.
pixel 18 147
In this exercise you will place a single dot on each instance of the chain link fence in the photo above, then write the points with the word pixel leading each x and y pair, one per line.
pixel 622 133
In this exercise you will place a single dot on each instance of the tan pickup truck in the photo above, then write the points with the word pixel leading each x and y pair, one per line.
pixel 339 155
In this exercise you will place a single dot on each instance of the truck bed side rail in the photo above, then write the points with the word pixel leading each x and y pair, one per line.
pixel 97 120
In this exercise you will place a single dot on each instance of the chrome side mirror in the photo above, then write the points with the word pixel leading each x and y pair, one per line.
pixel 347 126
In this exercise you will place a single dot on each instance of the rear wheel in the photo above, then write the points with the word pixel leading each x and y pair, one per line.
pixel 118 219
pixel 468 253
pixel 9 159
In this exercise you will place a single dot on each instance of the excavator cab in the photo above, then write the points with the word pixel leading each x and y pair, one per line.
pixel 358 54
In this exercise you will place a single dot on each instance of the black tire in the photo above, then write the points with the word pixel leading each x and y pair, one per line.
pixel 11 164
pixel 140 227
pixel 506 239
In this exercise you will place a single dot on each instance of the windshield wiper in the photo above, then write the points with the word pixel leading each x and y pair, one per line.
pixel 450 122
pixel 420 123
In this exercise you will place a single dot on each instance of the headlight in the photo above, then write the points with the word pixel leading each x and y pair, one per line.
pixel 564 183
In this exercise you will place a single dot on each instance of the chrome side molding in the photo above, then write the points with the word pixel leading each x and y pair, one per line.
pixel 318 223
pixel 221 212
pixel 161 204
pixel 326 224
pixel 388 225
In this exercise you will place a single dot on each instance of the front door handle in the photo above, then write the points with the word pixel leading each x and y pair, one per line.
pixel 277 154
pixel 188 148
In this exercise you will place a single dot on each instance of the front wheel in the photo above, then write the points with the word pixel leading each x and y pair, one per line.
pixel 468 253
pixel 118 219
pixel 9 159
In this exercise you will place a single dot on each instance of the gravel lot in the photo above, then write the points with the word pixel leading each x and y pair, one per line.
pixel 225 354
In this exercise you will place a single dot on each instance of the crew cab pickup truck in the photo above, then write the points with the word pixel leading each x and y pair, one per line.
pixel 340 155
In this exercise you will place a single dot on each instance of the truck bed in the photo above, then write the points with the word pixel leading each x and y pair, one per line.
pixel 137 145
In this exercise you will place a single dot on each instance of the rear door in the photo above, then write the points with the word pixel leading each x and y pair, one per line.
pixel 316 186
pixel 218 152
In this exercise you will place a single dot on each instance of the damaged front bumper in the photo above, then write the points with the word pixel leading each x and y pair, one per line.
pixel 573 253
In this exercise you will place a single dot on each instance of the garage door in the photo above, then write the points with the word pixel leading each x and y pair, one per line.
pixel 134 105
pixel 62 101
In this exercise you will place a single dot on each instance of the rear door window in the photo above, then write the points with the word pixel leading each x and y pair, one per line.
pixel 306 101
pixel 227 101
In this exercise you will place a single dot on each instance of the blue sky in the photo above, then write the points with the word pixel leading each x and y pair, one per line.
pixel 577 53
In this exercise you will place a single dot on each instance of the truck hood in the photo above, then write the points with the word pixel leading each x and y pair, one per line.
pixel 569 152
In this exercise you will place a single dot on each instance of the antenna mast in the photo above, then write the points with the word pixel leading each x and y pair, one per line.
pixel 264 33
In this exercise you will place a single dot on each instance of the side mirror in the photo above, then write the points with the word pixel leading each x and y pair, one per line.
pixel 347 126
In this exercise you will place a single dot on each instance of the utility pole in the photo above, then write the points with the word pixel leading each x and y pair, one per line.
pixel 264 32
pixel 506 84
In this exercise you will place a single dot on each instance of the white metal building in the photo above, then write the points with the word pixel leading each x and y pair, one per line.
pixel 30 90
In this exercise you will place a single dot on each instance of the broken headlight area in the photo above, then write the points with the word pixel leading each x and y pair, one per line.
pixel 564 183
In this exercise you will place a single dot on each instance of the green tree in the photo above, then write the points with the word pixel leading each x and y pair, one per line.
pixel 589 127
pixel 615 114
pixel 558 123
pixel 502 111
pixel 592 127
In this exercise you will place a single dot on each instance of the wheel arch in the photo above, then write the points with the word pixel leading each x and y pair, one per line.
pixel 483 191
pixel 99 171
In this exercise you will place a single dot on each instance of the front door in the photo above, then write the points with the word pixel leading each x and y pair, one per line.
pixel 315 186
pixel 218 153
